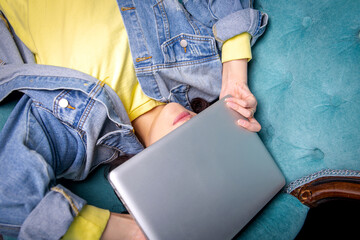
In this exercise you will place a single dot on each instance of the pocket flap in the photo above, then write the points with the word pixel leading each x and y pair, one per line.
pixel 185 47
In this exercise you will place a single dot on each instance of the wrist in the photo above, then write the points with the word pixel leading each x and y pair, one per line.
pixel 235 71
pixel 234 74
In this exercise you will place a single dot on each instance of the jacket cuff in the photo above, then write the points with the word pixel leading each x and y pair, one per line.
pixel 237 47
pixel 247 20
pixel 52 222
pixel 89 224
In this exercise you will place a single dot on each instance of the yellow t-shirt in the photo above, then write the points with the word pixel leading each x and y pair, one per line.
pixel 89 36
pixel 77 34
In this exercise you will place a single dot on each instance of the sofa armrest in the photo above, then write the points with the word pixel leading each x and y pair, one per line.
pixel 328 188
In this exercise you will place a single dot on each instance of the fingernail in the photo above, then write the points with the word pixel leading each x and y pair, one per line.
pixel 230 104
pixel 249 113
pixel 241 122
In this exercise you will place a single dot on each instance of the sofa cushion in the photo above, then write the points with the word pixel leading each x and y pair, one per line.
pixel 306 75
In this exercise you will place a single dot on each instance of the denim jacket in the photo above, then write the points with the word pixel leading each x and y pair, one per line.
pixel 176 54
pixel 68 122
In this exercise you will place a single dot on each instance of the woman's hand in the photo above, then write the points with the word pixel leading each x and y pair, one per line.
pixel 122 226
pixel 234 82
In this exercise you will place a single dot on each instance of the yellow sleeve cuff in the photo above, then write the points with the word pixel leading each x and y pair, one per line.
pixel 237 47
pixel 89 224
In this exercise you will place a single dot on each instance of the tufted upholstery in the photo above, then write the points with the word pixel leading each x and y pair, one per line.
pixel 305 74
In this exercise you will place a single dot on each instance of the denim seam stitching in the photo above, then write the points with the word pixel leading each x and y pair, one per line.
pixel 190 37
pixel 164 15
pixel 193 25
pixel 86 113
pixel 174 65
pixel 212 12
pixel 39 105
pixel 111 104
pixel 68 198
pixel 98 88
pixel 191 22
pixel 143 35
pixel 93 89
pixel 90 105
pixel 27 126
pixel 259 23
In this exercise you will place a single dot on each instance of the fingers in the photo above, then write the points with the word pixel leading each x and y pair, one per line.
pixel 252 124
pixel 246 109
pixel 247 102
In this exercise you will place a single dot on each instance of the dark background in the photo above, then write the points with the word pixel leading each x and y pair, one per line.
pixel 338 219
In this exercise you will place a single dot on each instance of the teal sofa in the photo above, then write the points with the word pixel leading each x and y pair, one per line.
pixel 305 73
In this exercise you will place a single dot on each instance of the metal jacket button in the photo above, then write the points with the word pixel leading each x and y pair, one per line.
pixel 183 43
pixel 63 103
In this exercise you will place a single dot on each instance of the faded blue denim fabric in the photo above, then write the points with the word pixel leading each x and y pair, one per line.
pixel 67 122
pixel 229 18
pixel 176 46
pixel 44 140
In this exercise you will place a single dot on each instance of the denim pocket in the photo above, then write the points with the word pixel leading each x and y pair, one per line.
pixel 179 94
pixel 187 47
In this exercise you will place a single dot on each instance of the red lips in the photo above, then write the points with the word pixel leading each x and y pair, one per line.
pixel 181 117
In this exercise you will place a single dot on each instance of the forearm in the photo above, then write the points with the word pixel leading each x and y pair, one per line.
pixel 122 226
pixel 236 70
pixel 234 73
pixel 96 223
pixel 236 53
pixel 235 83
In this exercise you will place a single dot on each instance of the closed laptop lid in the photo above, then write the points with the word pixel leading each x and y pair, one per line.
pixel 205 180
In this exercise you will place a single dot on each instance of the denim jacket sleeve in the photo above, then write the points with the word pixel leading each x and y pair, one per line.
pixel 228 18
pixel 42 141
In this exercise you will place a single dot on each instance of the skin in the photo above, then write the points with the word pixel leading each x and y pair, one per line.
pixel 162 119
pixel 158 122
pixel 235 82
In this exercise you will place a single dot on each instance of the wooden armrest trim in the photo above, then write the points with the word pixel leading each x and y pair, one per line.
pixel 328 188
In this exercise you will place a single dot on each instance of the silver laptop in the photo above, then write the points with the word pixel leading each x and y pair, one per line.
pixel 205 180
